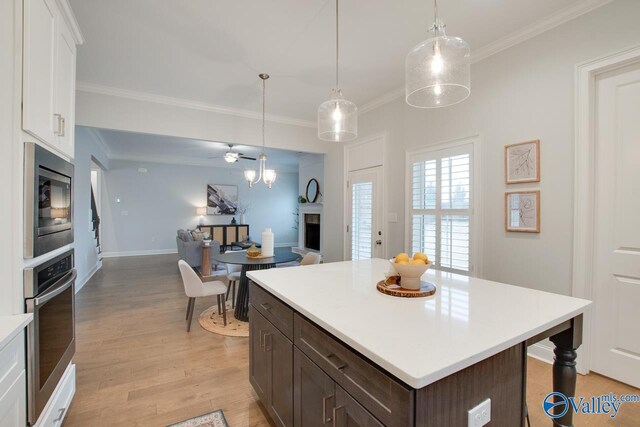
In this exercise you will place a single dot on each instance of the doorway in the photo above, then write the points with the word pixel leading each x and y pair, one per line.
pixel 364 221
pixel 616 274
pixel 95 213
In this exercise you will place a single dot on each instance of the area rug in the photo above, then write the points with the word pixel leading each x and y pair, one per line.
pixel 212 419
pixel 212 321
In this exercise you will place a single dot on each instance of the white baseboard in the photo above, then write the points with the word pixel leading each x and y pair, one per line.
pixel 83 281
pixel 542 351
pixel 139 253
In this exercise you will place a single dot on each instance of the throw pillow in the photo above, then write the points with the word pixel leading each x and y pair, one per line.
pixel 197 235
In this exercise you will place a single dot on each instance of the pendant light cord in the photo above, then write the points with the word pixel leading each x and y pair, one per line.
pixel 264 89
pixel 337 45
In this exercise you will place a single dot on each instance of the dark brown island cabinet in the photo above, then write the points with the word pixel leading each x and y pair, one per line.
pixel 305 377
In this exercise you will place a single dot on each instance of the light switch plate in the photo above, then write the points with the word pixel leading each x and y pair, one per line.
pixel 480 415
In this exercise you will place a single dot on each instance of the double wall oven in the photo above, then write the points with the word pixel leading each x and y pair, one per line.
pixel 48 201
pixel 50 296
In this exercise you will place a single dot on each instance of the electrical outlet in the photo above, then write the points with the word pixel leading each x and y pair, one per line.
pixel 480 415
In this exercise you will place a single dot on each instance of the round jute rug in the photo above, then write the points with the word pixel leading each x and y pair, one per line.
pixel 212 321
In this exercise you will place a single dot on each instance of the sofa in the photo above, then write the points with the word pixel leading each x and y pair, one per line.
pixel 190 250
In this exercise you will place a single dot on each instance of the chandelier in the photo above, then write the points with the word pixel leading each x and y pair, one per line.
pixel 266 175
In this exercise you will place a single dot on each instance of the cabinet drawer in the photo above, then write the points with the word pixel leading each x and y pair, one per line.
pixel 272 309
pixel 390 401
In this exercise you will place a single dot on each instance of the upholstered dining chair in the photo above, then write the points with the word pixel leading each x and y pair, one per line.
pixel 233 277
pixel 195 288
pixel 311 258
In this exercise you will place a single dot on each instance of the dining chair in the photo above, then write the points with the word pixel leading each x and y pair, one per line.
pixel 311 258
pixel 195 288
pixel 233 277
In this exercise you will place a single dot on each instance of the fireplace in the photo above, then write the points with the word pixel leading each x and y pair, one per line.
pixel 309 229
pixel 312 231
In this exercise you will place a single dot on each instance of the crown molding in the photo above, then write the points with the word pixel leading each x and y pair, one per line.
pixel 171 160
pixel 563 16
pixel 530 31
pixel 185 103
pixel 70 19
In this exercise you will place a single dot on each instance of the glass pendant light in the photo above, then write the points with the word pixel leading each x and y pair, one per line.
pixel 438 69
pixel 337 117
pixel 266 175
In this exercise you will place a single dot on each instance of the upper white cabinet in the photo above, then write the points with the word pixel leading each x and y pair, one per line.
pixel 49 73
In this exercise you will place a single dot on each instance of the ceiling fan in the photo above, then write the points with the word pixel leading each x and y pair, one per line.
pixel 232 156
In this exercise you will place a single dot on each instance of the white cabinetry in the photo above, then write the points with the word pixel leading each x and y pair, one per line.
pixel 13 409
pixel 49 73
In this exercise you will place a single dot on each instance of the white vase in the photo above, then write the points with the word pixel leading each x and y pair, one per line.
pixel 241 218
pixel 267 242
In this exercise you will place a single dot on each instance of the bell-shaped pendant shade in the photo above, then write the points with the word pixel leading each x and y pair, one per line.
pixel 438 72
pixel 337 119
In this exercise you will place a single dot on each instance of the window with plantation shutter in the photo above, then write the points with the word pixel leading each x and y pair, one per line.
pixel 361 220
pixel 441 213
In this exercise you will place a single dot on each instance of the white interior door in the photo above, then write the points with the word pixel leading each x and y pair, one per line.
pixel 616 351
pixel 364 214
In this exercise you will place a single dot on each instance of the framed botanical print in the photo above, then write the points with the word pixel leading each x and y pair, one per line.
pixel 522 211
pixel 522 162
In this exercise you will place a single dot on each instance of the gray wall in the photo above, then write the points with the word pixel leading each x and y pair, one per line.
pixel 86 149
pixel 153 205
pixel 525 92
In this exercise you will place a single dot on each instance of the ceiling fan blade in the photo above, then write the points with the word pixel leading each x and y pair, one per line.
pixel 247 158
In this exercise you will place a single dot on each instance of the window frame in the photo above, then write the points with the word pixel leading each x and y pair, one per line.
pixel 472 145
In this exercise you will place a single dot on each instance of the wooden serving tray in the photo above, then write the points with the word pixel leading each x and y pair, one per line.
pixel 259 257
pixel 395 290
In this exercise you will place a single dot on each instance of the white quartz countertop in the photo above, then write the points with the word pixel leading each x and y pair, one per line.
pixel 418 340
pixel 10 326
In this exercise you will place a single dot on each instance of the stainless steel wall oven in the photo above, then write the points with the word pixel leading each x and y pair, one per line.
pixel 48 201
pixel 49 292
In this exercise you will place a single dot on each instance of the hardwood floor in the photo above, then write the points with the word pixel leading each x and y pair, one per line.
pixel 137 366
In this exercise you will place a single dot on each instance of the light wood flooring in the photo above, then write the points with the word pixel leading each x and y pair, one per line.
pixel 137 366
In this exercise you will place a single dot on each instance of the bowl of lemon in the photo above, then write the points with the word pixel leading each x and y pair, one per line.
pixel 410 269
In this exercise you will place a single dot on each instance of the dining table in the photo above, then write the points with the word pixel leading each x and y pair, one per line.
pixel 280 256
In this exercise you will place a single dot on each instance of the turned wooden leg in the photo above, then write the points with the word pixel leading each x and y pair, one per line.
pixel 564 369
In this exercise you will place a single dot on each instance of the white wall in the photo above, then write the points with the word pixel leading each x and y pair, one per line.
pixel 86 149
pixel 523 93
pixel 311 166
pixel 155 204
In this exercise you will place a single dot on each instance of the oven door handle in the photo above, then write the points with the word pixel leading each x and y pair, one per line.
pixel 66 281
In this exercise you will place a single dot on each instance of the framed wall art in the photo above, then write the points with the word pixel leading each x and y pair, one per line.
pixel 522 211
pixel 522 162
pixel 222 199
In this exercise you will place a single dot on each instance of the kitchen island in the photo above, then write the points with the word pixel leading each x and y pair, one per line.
pixel 328 349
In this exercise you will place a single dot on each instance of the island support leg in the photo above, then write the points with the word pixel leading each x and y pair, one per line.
pixel 564 368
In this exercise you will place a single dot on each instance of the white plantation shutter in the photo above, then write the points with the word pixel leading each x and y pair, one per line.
pixel 361 220
pixel 441 215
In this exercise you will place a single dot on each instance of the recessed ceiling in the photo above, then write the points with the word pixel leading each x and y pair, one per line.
pixel 166 149
pixel 211 51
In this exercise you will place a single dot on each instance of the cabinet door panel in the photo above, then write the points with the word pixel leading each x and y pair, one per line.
pixel 13 403
pixel 313 393
pixel 349 413
pixel 65 89
pixel 280 351
pixel 38 68
pixel 258 360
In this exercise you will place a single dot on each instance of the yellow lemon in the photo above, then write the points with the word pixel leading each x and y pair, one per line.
pixel 420 256
pixel 403 262
pixel 402 257
pixel 418 262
